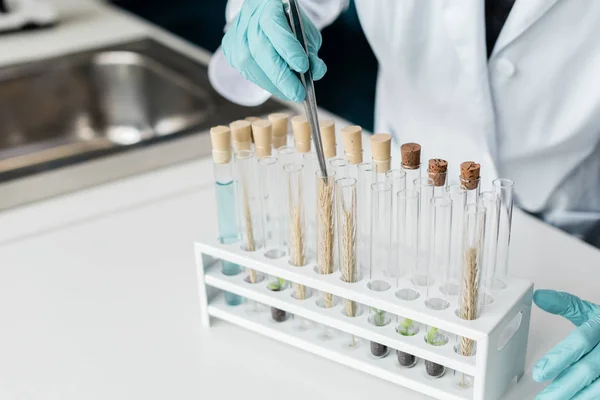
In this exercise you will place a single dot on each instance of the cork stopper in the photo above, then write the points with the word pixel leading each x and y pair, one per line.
pixel 381 149
pixel 352 139
pixel 301 131
pixel 328 137
pixel 241 133
pixel 220 137
pixel 261 130
pixel 251 119
pixel 469 174
pixel 280 129
pixel 437 171
pixel 411 155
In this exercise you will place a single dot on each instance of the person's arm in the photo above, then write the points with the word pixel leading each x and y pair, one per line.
pixel 260 55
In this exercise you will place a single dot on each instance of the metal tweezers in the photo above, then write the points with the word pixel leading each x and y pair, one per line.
pixel 292 10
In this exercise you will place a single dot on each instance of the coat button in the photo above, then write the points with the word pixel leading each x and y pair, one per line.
pixel 505 67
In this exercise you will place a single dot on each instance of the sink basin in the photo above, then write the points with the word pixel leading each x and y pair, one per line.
pixel 61 112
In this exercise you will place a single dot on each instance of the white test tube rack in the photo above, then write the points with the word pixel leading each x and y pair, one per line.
pixel 501 332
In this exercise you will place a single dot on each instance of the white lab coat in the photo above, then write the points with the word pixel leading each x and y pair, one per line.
pixel 530 112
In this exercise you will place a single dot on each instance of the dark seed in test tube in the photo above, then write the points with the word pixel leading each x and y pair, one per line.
pixel 378 350
pixel 433 369
pixel 278 315
pixel 406 359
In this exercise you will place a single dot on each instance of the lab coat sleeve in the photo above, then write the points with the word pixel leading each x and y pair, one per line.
pixel 229 83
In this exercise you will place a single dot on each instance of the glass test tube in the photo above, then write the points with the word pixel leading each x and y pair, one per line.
pixel 396 178
pixel 225 196
pixel 406 327
pixel 491 202
pixel 471 293
pixel 408 239
pixel 435 337
pixel 423 186
pixel 380 270
pixel 250 208
pixel 365 173
pixel 504 188
pixel 452 281
pixel 339 165
pixel 325 189
pixel 311 166
pixel 412 174
pixel 273 206
pixel 277 284
pixel 346 219
pixel 439 259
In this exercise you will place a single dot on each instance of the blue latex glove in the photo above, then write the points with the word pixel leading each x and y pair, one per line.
pixel 260 44
pixel 574 363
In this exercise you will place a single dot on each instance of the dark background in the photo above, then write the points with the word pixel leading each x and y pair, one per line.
pixel 348 89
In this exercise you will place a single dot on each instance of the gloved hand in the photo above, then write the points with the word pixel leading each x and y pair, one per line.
pixel 574 364
pixel 260 44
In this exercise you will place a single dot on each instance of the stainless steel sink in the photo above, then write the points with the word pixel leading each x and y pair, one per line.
pixel 62 112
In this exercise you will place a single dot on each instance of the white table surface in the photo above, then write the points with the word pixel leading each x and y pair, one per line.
pixel 98 289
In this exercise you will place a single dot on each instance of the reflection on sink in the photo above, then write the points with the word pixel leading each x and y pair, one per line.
pixel 120 99
pixel 85 103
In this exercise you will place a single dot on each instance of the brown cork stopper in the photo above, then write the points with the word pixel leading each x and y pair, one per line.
pixel 301 131
pixel 411 155
pixel 241 134
pixel 437 171
pixel 469 174
pixel 381 149
pixel 261 131
pixel 352 139
pixel 280 129
pixel 328 137
pixel 220 137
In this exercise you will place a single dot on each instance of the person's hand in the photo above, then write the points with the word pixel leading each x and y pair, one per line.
pixel 260 44
pixel 574 364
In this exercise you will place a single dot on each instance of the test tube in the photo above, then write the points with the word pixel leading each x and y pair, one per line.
pixel 287 155
pixel 470 179
pixel 491 202
pixel 458 196
pixel 225 193
pixel 408 249
pixel 380 270
pixel 381 147
pixel 325 188
pixel 251 208
pixel 339 165
pixel 411 162
pixel 346 208
pixel 423 186
pixel 471 293
pixel 406 327
pixel 396 178
pixel 365 180
pixel 311 166
pixel 273 206
pixel 435 337
pixel 439 259
pixel 504 188
pixel 277 284
pixel 438 171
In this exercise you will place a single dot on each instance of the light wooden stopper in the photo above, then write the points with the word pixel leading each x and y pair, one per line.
pixel 381 149
pixel 470 172
pixel 280 129
pixel 262 131
pixel 352 139
pixel 328 137
pixel 301 130
pixel 251 119
pixel 241 133
pixel 411 155
pixel 220 137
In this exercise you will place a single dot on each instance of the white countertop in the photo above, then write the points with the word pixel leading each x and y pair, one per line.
pixel 98 289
